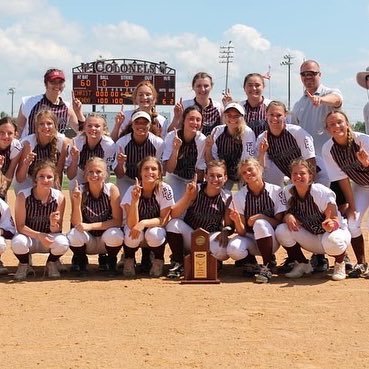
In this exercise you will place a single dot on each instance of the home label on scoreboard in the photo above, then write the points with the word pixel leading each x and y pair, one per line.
pixel 112 82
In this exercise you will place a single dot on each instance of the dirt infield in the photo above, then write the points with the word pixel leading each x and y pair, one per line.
pixel 101 322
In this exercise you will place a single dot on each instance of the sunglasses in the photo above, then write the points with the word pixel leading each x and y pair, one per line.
pixel 309 74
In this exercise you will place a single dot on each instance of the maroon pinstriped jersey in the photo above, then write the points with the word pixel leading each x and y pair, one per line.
pixel 60 110
pixel 87 153
pixel 255 117
pixel 135 153
pixel 230 150
pixel 37 213
pixel 148 208
pixel 187 158
pixel 207 212
pixel 96 209
pixel 282 150
pixel 42 153
pixel 346 159
pixel 308 213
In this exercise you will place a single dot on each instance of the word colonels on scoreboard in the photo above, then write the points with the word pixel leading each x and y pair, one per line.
pixel 112 82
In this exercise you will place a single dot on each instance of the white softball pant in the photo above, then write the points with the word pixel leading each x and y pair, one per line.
pixel 22 244
pixel 153 237
pixel 240 246
pixel 112 237
pixel 333 244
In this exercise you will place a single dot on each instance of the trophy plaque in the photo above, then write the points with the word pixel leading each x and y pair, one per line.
pixel 200 266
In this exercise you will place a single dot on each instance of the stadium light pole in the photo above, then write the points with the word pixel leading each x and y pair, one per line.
pixel 226 57
pixel 11 92
pixel 287 61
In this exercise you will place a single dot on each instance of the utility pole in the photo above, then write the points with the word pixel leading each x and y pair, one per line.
pixel 287 61
pixel 226 56
pixel 11 92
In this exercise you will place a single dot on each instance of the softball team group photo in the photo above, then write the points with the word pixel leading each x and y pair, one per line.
pixel 257 177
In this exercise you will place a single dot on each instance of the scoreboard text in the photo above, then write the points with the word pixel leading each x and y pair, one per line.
pixel 112 82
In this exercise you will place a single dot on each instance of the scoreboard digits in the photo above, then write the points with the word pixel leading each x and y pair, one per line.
pixel 96 88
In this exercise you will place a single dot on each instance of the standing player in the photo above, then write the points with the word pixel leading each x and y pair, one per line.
pixel 184 152
pixel 202 205
pixel 312 222
pixel 347 161
pixel 231 142
pixel 144 97
pixel 92 142
pixel 255 105
pixel 282 143
pixel 202 84
pixel 45 143
pixel 132 148
pixel 10 152
pixel 54 80
pixel 39 212
pixel 259 208
pixel 96 217
pixel 147 205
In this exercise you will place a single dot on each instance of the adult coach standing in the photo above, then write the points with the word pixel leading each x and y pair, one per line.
pixel 54 80
pixel 318 100
pixel 309 113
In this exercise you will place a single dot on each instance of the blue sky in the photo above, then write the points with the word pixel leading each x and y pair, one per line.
pixel 38 34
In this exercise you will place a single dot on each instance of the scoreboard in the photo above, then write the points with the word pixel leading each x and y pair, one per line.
pixel 112 82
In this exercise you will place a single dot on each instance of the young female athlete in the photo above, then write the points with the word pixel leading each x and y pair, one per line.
pixel 39 212
pixel 202 84
pixel 132 148
pixel 144 98
pixel 231 142
pixel 147 205
pixel 259 208
pixel 96 217
pixel 54 80
pixel 184 152
pixel 45 143
pixel 312 222
pixel 10 153
pixel 92 142
pixel 281 143
pixel 347 161
pixel 255 105
pixel 202 205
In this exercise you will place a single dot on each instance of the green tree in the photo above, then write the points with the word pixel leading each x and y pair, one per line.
pixel 3 114
pixel 359 127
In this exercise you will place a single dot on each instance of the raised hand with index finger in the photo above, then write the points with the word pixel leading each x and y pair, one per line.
pixel 121 157
pixel 177 142
pixel 76 193
pixel 136 190
pixel 363 156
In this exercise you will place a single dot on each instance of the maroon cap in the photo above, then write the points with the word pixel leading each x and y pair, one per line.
pixel 55 74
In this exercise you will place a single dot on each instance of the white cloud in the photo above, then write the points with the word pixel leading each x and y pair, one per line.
pixel 34 36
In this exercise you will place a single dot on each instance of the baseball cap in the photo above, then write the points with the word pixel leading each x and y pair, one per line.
pixel 55 74
pixel 141 114
pixel 237 106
